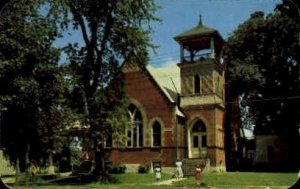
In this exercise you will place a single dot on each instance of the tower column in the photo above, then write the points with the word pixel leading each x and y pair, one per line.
pixel 181 53
pixel 212 48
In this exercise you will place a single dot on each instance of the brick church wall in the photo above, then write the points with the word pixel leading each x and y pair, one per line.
pixel 142 89
pixel 213 119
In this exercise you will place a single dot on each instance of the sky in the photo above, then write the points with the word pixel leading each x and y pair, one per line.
pixel 180 15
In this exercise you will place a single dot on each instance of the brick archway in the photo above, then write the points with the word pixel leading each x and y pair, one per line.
pixel 197 140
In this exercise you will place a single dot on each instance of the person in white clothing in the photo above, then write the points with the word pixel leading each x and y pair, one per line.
pixel 179 172
pixel 157 171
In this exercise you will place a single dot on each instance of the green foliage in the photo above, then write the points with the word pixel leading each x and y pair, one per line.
pixel 243 57
pixel 32 101
pixel 263 62
pixel 144 168
pixel 113 32
pixel 118 169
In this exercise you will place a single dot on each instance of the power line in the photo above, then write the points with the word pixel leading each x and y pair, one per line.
pixel 268 99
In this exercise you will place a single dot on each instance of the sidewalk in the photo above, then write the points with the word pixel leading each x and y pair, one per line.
pixel 169 182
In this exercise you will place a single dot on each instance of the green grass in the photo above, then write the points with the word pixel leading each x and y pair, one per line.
pixel 229 180
pixel 244 180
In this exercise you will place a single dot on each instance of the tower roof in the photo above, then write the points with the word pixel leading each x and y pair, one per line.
pixel 199 33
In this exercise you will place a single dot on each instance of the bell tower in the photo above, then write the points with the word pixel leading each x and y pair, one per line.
pixel 202 92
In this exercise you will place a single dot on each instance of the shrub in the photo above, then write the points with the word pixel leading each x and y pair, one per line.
pixel 143 169
pixel 119 169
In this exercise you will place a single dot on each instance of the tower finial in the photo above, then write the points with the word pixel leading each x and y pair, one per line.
pixel 200 19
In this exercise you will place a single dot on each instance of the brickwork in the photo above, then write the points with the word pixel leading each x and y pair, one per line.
pixel 217 157
pixel 213 120
pixel 143 92
pixel 141 88
pixel 167 156
pixel 187 77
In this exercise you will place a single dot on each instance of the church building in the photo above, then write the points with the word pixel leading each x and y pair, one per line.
pixel 177 112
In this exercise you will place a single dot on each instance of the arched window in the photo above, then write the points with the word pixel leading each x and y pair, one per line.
pixel 199 127
pixel 197 84
pixel 156 134
pixel 199 130
pixel 135 131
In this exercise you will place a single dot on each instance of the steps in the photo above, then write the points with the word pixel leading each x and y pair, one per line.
pixel 189 165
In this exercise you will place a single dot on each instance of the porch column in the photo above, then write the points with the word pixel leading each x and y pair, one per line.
pixel 189 143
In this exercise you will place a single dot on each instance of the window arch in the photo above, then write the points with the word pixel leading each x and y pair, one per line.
pixel 197 84
pixel 199 126
pixel 156 132
pixel 135 130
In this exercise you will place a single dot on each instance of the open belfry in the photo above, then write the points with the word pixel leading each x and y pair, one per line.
pixel 177 111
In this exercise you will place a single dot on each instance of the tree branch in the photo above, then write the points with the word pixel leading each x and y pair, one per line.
pixel 80 20
pixel 107 29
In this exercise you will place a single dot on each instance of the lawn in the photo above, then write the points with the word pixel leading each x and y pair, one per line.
pixel 235 180
pixel 229 180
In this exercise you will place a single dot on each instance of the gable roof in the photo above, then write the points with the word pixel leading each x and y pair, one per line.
pixel 168 80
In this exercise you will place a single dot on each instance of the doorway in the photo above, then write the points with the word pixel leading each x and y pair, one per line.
pixel 199 140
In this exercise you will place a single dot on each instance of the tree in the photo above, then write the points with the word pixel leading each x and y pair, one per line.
pixel 113 32
pixel 32 84
pixel 263 69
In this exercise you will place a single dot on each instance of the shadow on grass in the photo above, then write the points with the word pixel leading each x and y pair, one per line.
pixel 82 179
pixel 55 180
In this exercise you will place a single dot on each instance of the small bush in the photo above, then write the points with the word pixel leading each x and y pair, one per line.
pixel 144 169
pixel 119 169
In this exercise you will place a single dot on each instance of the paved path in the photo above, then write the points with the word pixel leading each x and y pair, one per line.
pixel 169 182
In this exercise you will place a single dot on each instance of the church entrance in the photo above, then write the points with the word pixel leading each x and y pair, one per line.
pixel 198 140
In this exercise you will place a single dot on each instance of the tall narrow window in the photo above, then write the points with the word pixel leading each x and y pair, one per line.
pixel 156 134
pixel 135 131
pixel 197 84
pixel 196 141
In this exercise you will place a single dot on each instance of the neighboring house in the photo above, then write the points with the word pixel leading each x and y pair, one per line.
pixel 270 149
pixel 177 112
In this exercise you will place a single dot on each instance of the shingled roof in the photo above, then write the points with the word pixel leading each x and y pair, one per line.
pixel 168 79
pixel 198 37
pixel 198 31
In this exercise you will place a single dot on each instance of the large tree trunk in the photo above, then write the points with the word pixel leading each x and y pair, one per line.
pixel 232 127
pixel 100 172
